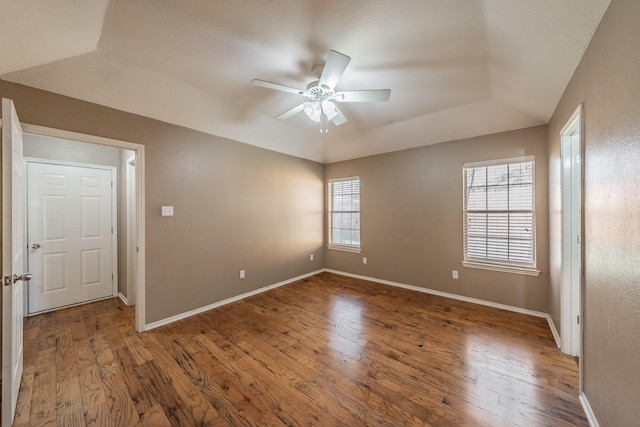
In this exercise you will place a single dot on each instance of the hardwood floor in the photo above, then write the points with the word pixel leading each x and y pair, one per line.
pixel 328 351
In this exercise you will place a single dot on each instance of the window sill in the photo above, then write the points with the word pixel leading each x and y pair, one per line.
pixel 528 271
pixel 345 248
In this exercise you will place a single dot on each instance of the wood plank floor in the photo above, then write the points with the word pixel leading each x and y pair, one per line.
pixel 327 351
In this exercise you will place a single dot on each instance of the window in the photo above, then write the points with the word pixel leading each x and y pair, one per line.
pixel 499 216
pixel 344 214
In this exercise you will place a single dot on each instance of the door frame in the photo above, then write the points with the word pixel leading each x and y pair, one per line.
pixel 114 219
pixel 572 284
pixel 138 149
pixel 130 191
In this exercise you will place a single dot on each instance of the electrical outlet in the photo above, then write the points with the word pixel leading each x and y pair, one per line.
pixel 364 259
pixel 454 274
pixel 242 274
pixel 311 257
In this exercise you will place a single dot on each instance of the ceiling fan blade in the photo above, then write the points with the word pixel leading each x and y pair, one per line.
pixel 363 95
pixel 339 119
pixel 292 112
pixel 278 86
pixel 333 69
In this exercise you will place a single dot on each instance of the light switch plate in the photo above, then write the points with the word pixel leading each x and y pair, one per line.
pixel 166 211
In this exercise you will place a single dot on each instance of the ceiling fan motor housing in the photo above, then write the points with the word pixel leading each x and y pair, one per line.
pixel 319 93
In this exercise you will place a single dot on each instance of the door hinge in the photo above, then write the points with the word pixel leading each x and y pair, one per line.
pixel 111 184
pixel 578 319
pixel 111 230
pixel 578 239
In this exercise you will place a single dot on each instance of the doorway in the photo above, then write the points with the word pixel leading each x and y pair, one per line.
pixel 137 285
pixel 571 288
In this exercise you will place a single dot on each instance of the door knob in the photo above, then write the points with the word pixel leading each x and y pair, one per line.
pixel 24 277
pixel 35 246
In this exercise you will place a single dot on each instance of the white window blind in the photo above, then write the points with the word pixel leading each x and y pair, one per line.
pixel 499 214
pixel 344 213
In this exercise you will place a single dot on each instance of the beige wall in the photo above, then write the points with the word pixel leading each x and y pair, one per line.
pixel 236 206
pixel 44 147
pixel 607 81
pixel 411 215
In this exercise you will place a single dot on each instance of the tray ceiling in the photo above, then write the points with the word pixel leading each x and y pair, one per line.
pixel 456 68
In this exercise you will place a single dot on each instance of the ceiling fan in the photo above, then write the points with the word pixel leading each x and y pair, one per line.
pixel 321 93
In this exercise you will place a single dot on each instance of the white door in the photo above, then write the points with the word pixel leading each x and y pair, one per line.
pixel 70 234
pixel 12 259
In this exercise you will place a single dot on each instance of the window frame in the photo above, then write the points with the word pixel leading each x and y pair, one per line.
pixel 498 265
pixel 339 246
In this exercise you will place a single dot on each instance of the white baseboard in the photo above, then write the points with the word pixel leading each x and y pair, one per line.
pixel 554 331
pixel 444 294
pixel 123 298
pixel 190 313
pixel 591 417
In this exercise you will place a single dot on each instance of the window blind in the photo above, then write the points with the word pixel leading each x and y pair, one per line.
pixel 344 214
pixel 499 215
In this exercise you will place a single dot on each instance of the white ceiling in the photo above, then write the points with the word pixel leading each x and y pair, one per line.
pixel 456 68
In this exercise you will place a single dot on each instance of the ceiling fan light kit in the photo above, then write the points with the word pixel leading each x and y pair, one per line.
pixel 321 106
